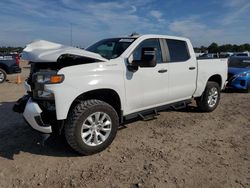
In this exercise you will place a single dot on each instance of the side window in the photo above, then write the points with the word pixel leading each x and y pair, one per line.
pixel 178 50
pixel 154 43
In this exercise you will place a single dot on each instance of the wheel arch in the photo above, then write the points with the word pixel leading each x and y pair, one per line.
pixel 4 67
pixel 109 96
pixel 216 78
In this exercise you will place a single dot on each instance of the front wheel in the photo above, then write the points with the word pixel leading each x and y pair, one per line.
pixel 91 126
pixel 3 76
pixel 210 97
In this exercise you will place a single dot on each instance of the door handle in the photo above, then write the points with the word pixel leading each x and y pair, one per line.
pixel 162 70
pixel 191 68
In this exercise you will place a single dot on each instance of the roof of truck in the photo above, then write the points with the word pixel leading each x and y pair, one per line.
pixel 136 35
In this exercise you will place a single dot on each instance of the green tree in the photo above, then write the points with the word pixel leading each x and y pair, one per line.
pixel 213 48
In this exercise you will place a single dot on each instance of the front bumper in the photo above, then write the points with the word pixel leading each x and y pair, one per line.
pixel 32 114
pixel 238 83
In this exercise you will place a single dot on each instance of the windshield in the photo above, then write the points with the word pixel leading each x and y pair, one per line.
pixel 111 48
pixel 239 62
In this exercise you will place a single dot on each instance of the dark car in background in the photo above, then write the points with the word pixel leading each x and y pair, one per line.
pixel 245 54
pixel 9 64
pixel 239 73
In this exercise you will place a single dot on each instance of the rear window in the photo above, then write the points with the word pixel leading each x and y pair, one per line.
pixel 178 50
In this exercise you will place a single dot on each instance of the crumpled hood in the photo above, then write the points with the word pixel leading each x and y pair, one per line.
pixel 45 51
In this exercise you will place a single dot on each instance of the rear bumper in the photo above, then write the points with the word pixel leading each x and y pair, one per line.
pixel 32 114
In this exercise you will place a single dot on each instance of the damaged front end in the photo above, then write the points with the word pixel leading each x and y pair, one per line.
pixel 32 113
pixel 19 106
pixel 46 59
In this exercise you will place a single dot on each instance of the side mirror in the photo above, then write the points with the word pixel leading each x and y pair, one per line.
pixel 148 58
pixel 132 67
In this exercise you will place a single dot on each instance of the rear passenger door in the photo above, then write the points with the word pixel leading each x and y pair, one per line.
pixel 182 70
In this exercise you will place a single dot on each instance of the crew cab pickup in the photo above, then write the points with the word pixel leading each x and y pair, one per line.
pixel 89 93
pixel 9 64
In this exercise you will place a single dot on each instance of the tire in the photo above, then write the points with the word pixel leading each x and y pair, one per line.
pixel 210 97
pixel 3 76
pixel 97 139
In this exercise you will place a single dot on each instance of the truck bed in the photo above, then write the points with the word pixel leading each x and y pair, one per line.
pixel 207 67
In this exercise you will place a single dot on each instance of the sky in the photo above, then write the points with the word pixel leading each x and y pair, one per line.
pixel 203 21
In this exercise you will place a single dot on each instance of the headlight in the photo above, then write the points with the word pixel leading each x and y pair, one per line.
pixel 244 74
pixel 42 78
pixel 49 78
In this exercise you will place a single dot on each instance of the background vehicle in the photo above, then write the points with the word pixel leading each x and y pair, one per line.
pixel 239 73
pixel 209 56
pixel 241 54
pixel 225 54
pixel 90 93
pixel 9 64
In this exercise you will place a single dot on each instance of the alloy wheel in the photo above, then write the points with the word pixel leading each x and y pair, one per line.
pixel 212 97
pixel 96 128
pixel 1 76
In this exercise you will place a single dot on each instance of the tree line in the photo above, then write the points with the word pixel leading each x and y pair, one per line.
pixel 9 49
pixel 215 48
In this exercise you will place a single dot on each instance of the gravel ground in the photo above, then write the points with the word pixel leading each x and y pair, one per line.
pixel 178 149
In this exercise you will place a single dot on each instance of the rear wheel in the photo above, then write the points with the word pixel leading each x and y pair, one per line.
pixel 91 126
pixel 210 97
pixel 3 76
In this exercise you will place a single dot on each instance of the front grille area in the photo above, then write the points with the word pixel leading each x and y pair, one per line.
pixel 29 80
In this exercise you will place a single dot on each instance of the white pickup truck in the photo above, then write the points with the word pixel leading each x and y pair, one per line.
pixel 89 93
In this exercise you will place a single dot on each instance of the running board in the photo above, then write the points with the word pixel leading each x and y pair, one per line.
pixel 149 116
pixel 179 106
pixel 152 113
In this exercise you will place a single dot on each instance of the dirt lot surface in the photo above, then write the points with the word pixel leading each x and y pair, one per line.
pixel 178 149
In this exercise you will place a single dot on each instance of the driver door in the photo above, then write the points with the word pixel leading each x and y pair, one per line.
pixel 148 86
